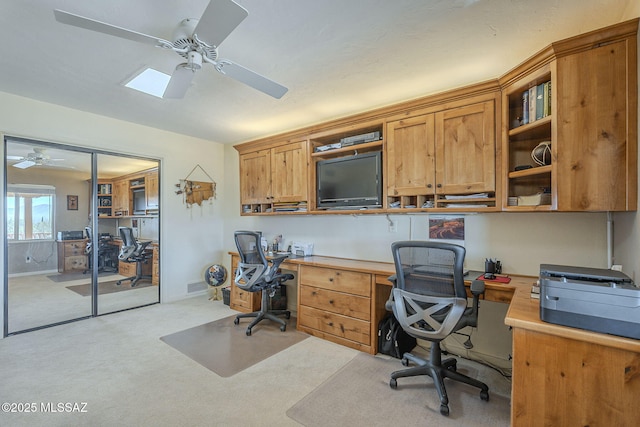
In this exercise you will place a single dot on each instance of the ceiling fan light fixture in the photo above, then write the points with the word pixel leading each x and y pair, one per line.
pixel 149 81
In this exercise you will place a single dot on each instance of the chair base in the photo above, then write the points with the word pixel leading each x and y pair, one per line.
pixel 438 370
pixel 134 280
pixel 264 313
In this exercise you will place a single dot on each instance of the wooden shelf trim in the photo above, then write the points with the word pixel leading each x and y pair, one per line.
pixel 530 172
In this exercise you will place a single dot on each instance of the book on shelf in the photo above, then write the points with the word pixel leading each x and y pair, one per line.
pixel 525 107
pixel 536 102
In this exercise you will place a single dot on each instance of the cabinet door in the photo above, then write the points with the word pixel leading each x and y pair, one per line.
pixel 596 146
pixel 465 149
pixel 151 190
pixel 289 166
pixel 121 196
pixel 255 177
pixel 410 156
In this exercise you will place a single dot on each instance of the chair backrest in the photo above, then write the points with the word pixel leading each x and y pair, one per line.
pixel 89 246
pixel 253 265
pixel 429 296
pixel 129 244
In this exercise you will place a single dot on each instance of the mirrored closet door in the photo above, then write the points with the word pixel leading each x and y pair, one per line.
pixel 76 222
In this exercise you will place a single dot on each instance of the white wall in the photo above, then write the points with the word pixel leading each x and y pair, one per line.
pixel 191 239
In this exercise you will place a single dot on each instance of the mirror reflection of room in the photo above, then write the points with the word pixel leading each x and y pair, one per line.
pixel 53 251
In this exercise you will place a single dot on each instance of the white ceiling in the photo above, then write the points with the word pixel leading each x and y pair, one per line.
pixel 337 57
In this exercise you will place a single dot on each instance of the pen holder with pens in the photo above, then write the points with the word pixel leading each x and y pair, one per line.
pixel 491 268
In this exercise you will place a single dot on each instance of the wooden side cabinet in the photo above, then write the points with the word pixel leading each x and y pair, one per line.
pixel 336 305
pixel 155 266
pixel 71 255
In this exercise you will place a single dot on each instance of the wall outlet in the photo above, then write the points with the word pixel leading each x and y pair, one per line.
pixel 393 226
pixel 27 259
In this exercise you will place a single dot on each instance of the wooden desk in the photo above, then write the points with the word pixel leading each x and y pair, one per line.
pixel 566 376
pixel 343 300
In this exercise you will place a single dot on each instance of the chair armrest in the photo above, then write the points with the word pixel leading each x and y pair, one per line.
pixel 277 260
pixel 477 287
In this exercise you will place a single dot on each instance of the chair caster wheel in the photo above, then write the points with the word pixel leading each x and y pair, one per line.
pixel 393 383
pixel 287 315
pixel 405 361
pixel 283 328
pixel 484 395
pixel 236 321
pixel 248 332
pixel 118 283
pixel 444 410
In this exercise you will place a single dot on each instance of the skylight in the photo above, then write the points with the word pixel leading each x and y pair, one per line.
pixel 150 81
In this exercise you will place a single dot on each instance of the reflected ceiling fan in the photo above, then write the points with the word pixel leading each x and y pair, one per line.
pixel 38 157
pixel 196 40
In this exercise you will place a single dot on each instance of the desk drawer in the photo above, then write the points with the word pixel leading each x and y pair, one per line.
pixel 74 248
pixel 75 262
pixel 335 324
pixel 337 280
pixel 335 302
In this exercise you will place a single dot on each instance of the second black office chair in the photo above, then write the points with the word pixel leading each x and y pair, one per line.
pixel 257 274
pixel 133 251
pixel 430 302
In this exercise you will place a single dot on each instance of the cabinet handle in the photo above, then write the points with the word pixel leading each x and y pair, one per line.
pixel 330 301
pixel 429 185
pixel 331 324
pixel 331 279
pixel 439 185
pixel 314 293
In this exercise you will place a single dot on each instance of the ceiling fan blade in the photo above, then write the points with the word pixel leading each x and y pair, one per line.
pixel 102 27
pixel 179 82
pixel 251 78
pixel 219 19
pixel 24 165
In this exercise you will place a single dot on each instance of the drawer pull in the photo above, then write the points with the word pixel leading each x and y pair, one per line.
pixel 331 279
pixel 314 293
pixel 330 301
pixel 331 324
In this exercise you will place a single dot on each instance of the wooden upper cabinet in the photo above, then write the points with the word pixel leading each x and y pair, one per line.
pixel 151 189
pixel 597 123
pixel 255 177
pixel 466 149
pixel 289 172
pixel 411 156
pixel 121 197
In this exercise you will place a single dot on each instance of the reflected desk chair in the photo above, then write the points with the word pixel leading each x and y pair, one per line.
pixel 107 254
pixel 430 302
pixel 133 250
pixel 257 274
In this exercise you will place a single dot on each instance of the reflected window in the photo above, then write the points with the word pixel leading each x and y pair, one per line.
pixel 30 212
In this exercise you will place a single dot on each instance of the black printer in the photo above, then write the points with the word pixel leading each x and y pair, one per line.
pixel 595 299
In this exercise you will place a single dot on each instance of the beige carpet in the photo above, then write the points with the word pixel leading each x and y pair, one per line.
pixel 107 287
pixel 225 349
pixel 365 380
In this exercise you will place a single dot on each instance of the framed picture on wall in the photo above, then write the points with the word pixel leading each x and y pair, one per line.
pixel 72 203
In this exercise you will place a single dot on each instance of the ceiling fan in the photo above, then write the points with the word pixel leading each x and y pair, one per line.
pixel 196 40
pixel 38 157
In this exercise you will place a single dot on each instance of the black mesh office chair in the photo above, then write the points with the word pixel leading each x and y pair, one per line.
pixel 257 274
pixel 106 253
pixel 430 302
pixel 133 251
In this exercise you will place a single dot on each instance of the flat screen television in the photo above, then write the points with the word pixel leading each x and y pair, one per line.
pixel 350 182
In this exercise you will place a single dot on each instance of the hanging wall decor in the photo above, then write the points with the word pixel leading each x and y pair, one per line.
pixel 196 192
